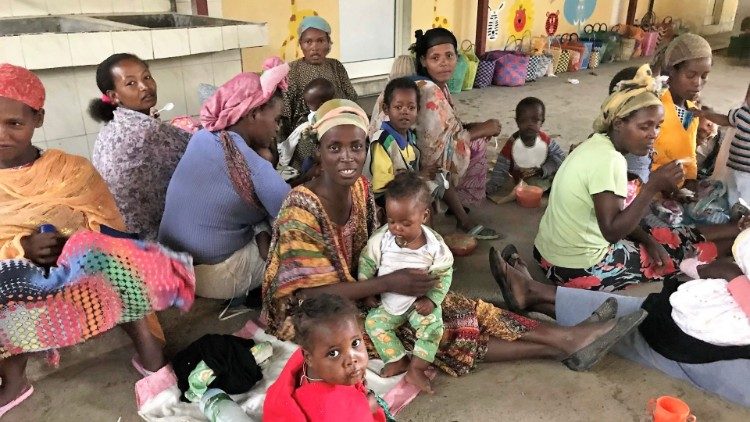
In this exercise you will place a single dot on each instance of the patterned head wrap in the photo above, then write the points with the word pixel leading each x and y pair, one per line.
pixel 315 22
pixel 686 47
pixel 338 112
pixel 243 93
pixel 630 95
pixel 18 83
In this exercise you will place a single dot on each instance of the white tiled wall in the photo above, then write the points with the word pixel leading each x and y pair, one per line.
pixel 68 126
pixel 67 7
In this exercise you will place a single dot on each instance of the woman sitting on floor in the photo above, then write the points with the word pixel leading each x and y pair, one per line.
pixel 458 149
pixel 698 331
pixel 57 290
pixel 223 193
pixel 323 228
pixel 135 153
pixel 587 237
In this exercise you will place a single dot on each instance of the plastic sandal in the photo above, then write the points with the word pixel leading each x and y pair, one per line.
pixel 18 400
pixel 483 233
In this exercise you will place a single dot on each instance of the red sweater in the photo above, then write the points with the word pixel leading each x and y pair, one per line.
pixel 315 401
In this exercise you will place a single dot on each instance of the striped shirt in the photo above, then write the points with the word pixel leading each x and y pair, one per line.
pixel 739 152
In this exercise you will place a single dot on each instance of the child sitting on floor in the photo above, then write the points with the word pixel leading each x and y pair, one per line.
pixel 324 380
pixel 530 155
pixel 708 142
pixel 405 242
pixel 393 148
pixel 296 152
pixel 738 172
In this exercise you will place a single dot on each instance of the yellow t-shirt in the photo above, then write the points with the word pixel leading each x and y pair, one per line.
pixel 674 141
pixel 569 234
pixel 381 165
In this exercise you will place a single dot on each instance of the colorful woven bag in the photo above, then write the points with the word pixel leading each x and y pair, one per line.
pixel 485 72
pixel 538 65
pixel 594 59
pixel 456 82
pixel 510 69
pixel 473 63
pixel 563 62
pixel 575 61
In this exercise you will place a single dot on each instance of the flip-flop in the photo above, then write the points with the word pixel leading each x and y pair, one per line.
pixel 18 400
pixel 483 233
pixel 590 355
pixel 138 367
pixel 502 282
pixel 510 255
pixel 604 312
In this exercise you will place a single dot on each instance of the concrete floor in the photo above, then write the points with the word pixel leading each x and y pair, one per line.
pixel 96 381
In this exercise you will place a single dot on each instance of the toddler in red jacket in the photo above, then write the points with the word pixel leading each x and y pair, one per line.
pixel 324 380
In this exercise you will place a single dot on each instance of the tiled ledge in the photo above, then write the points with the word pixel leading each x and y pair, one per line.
pixel 54 50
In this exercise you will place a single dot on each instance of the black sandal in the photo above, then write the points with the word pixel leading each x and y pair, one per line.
pixel 502 282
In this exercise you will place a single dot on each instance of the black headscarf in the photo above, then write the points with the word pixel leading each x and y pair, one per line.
pixel 426 40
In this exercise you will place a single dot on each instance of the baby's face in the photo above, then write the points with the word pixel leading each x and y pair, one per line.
pixel 405 218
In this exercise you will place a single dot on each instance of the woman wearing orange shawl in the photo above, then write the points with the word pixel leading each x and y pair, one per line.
pixel 65 191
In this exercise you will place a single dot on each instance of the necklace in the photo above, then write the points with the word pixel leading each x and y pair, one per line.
pixel 305 377
pixel 402 243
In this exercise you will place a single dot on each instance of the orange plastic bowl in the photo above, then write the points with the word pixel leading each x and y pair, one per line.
pixel 529 196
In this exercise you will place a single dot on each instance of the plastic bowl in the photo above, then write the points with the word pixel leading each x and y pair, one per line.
pixel 461 244
pixel 529 196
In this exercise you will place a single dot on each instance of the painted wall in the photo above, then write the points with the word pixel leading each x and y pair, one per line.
pixel 697 16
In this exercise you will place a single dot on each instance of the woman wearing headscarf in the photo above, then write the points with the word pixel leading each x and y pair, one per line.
pixel 135 153
pixel 223 193
pixel 458 149
pixel 697 331
pixel 63 282
pixel 323 227
pixel 314 35
pixel 687 62
pixel 588 238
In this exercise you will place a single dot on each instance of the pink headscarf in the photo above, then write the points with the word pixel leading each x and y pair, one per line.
pixel 18 83
pixel 243 93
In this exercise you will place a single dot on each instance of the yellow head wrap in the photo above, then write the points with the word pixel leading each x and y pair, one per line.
pixel 339 112
pixel 631 95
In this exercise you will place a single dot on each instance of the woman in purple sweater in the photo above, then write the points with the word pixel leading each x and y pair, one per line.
pixel 223 194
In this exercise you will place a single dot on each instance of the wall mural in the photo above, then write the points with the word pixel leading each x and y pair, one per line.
pixel 290 42
pixel 520 17
pixel 439 21
pixel 493 22
pixel 577 12
pixel 550 25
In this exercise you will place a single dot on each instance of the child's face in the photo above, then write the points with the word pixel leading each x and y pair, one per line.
pixel 529 122
pixel 337 352
pixel 705 129
pixel 17 124
pixel 405 217
pixel 688 80
pixel 403 108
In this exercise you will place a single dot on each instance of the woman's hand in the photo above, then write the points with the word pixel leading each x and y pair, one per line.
pixel 531 172
pixel 666 178
pixel 429 172
pixel 658 256
pixel 411 282
pixel 43 249
pixel 486 129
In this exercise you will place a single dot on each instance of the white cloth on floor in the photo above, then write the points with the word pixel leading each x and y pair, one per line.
pixel 704 309
pixel 395 258
pixel 165 404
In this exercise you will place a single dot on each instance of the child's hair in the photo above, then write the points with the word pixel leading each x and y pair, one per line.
pixel 98 109
pixel 326 88
pixel 399 83
pixel 408 184
pixel 402 66
pixel 625 74
pixel 530 102
pixel 318 310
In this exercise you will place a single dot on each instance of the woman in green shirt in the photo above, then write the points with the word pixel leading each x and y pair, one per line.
pixel 590 235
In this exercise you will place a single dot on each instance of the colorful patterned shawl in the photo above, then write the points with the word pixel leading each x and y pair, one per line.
pixel 305 251
pixel 99 282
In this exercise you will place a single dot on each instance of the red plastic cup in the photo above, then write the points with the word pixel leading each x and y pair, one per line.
pixel 670 409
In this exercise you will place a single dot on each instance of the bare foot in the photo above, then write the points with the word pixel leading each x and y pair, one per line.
pixel 519 284
pixel 395 368
pixel 416 376
pixel 12 390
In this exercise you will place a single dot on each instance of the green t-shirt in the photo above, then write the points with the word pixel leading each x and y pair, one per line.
pixel 569 234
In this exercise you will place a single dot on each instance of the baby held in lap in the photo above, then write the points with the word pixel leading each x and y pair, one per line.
pixel 406 242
